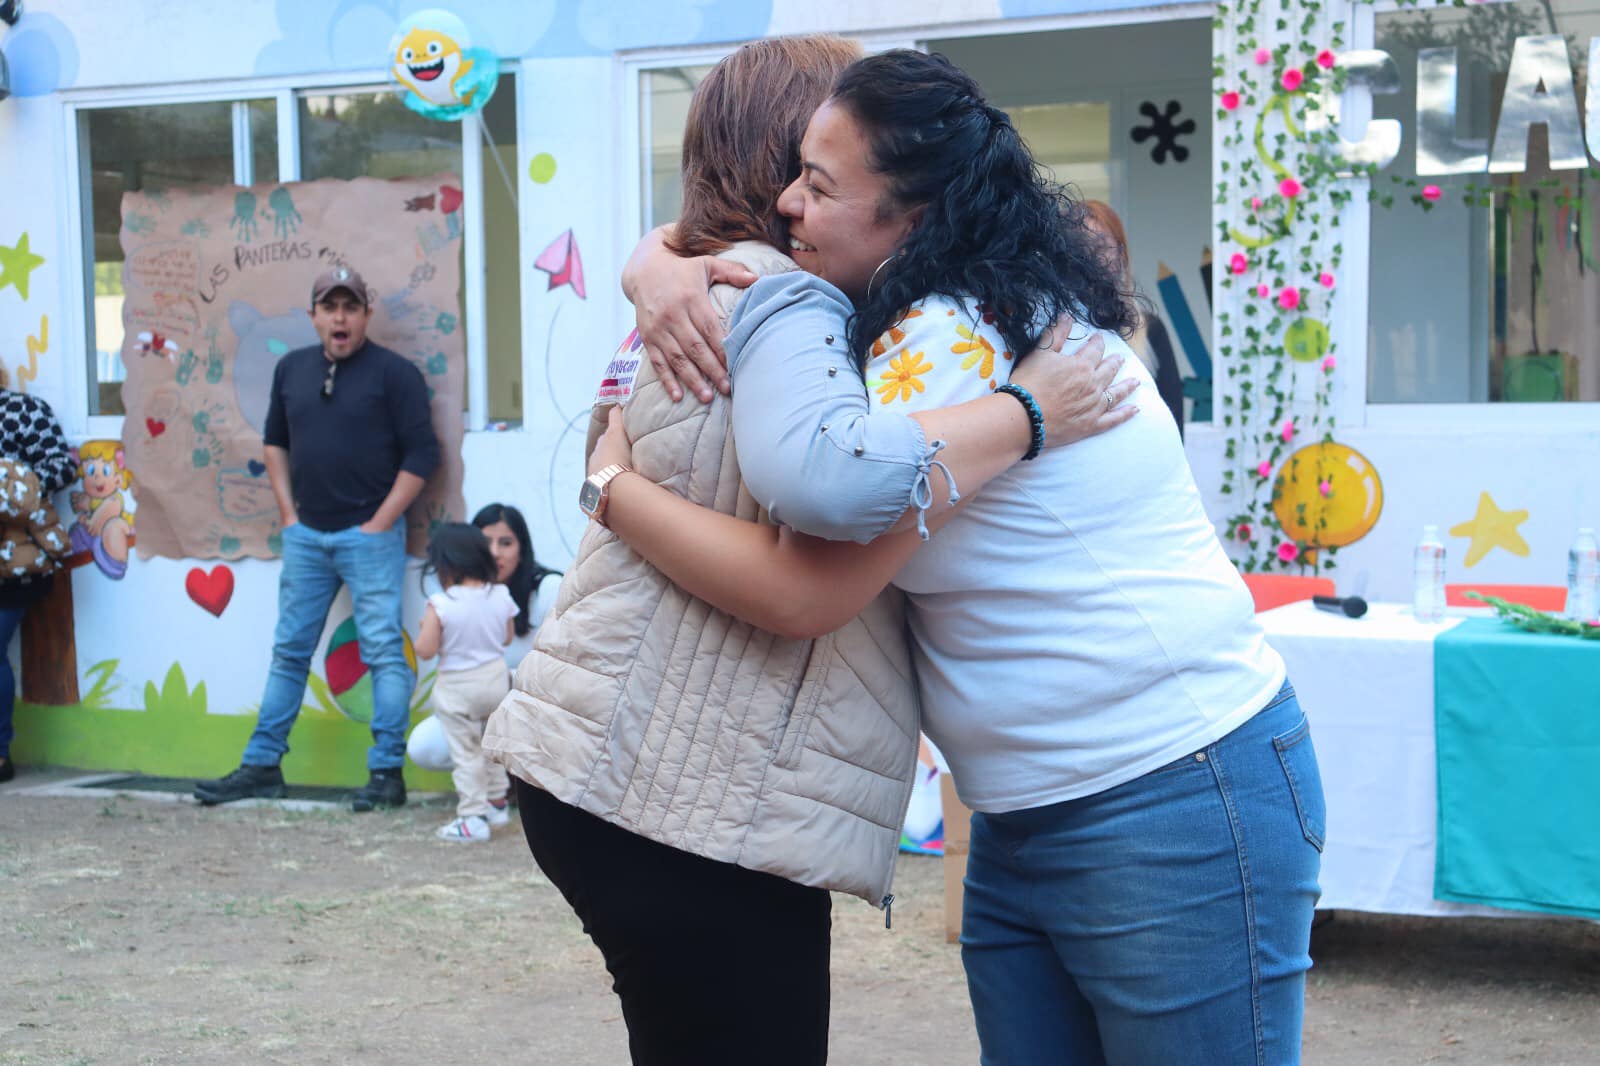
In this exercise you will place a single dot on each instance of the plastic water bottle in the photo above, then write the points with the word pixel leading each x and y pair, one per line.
pixel 1427 590
pixel 1583 577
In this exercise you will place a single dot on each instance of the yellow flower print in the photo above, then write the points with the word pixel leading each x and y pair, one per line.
pixel 894 337
pixel 902 378
pixel 978 351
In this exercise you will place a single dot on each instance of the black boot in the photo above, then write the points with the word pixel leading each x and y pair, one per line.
pixel 384 789
pixel 247 782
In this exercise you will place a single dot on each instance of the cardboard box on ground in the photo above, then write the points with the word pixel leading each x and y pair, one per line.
pixel 957 838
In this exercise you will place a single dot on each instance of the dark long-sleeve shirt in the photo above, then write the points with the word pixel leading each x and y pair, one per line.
pixel 30 434
pixel 347 448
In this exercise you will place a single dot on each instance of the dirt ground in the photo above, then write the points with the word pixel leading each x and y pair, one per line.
pixel 138 931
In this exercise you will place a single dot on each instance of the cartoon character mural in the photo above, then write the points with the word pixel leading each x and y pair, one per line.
pixel 104 526
pixel 433 59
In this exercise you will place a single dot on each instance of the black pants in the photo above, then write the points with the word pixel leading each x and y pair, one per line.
pixel 715 965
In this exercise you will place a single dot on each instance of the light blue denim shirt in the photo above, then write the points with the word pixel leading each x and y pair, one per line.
pixel 812 450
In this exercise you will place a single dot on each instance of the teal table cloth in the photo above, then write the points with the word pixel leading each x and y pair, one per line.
pixel 1517 726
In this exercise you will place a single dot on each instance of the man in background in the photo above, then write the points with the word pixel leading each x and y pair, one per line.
pixel 349 444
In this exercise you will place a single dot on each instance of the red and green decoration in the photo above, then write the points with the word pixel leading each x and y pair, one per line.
pixel 1281 198
pixel 349 679
pixel 1282 185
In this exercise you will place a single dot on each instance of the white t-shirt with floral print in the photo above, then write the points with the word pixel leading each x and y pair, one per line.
pixel 1078 624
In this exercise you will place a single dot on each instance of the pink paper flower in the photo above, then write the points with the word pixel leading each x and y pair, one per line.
pixel 1288 188
pixel 1326 279
pixel 1262 290
pixel 1325 59
pixel 1289 298
pixel 1288 551
pixel 1239 263
pixel 1255 203
pixel 1292 79
pixel 1328 363
pixel 1325 487
pixel 1286 431
pixel 1263 57
pixel 1431 193
pixel 1230 101
pixel 1264 469
pixel 1244 532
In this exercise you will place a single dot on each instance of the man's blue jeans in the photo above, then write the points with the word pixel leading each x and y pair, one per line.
pixel 314 566
pixel 1167 920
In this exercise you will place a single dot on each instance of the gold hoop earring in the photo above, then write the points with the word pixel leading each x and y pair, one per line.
pixel 874 277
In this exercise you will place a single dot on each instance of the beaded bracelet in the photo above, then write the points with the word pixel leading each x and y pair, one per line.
pixel 1035 417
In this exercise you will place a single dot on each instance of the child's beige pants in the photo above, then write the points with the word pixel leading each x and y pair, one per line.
pixel 463 701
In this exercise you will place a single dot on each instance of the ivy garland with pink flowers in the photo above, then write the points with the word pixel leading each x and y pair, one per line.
pixel 1282 185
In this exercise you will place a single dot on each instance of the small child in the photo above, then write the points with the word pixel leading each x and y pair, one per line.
pixel 467 624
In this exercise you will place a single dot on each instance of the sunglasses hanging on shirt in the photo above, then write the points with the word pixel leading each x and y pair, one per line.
pixel 327 382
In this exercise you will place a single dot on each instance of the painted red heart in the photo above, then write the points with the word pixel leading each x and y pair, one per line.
pixel 449 199
pixel 155 426
pixel 211 591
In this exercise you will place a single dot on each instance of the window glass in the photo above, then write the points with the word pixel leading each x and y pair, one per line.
pixel 664 112
pixel 139 149
pixel 1073 140
pixel 502 256
pixel 373 134
pixel 263 117
pixel 1493 295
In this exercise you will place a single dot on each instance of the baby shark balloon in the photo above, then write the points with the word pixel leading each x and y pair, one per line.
pixel 444 76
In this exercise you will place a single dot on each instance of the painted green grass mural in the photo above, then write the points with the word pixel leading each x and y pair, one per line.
pixel 176 736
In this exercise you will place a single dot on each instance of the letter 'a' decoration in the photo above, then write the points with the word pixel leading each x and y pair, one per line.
pixel 1538 91
pixel 442 75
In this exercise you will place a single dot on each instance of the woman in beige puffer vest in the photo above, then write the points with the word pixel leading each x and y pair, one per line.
pixel 693 785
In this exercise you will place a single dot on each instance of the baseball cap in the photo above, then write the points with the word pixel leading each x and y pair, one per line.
pixel 338 278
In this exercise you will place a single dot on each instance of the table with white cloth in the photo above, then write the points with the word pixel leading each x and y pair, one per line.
pixel 1367 687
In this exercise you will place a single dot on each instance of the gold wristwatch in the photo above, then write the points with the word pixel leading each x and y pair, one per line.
pixel 595 492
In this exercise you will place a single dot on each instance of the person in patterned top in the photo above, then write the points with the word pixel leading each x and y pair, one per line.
pixel 31 437
pixel 1148 813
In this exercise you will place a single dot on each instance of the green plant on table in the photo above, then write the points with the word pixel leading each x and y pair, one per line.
pixel 1536 621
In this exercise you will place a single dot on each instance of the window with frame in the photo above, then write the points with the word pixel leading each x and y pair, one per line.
pixel 1492 295
pixel 664 95
pixel 156 148
pixel 343 133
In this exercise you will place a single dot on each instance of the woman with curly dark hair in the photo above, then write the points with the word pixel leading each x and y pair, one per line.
pixel 1149 813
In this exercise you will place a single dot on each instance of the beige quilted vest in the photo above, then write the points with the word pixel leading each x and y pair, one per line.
pixel 653 710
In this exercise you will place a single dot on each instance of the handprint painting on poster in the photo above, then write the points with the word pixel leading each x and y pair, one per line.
pixel 222 276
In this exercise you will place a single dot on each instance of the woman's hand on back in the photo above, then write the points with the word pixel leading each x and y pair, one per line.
pixel 1076 393
pixel 681 331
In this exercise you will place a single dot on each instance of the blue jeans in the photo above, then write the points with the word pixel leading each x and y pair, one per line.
pixel 1165 920
pixel 10 618
pixel 314 566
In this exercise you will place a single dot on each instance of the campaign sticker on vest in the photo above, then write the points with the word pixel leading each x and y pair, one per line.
pixel 617 383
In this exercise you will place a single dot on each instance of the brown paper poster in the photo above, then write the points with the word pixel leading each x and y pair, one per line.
pixel 218 283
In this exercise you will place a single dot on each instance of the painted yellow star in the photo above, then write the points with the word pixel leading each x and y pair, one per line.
pixel 16 264
pixel 1492 528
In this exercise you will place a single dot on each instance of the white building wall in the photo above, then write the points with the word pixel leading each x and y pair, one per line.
pixel 574 103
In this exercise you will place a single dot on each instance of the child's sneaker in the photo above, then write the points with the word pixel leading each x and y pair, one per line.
pixel 499 815
pixel 469 830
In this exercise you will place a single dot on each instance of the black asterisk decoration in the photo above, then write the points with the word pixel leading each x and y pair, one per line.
pixel 1164 130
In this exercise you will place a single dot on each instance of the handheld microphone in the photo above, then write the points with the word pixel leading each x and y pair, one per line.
pixel 1352 606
